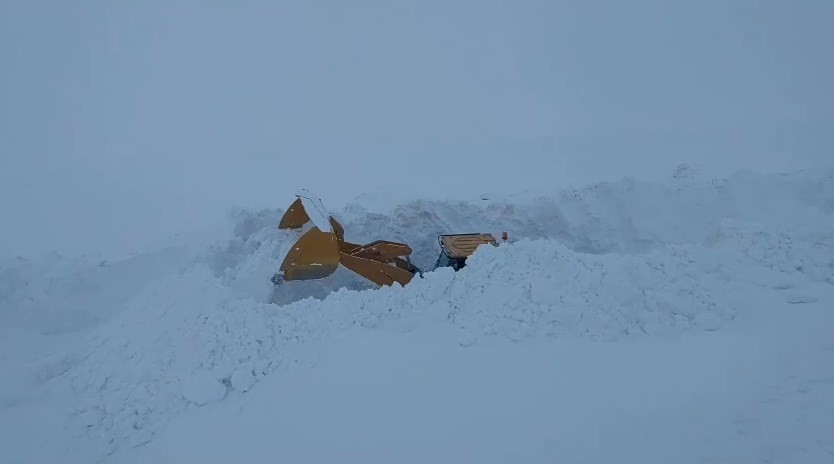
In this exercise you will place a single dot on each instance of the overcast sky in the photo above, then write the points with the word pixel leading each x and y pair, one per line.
pixel 122 123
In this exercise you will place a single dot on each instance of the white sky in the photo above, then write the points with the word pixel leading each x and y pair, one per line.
pixel 123 123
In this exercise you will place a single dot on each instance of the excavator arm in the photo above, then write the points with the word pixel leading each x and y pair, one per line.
pixel 319 251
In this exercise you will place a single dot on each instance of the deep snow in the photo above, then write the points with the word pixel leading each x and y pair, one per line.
pixel 687 321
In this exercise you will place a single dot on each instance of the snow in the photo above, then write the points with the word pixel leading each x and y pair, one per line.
pixel 681 321
pixel 315 210
pixel 202 388
pixel 380 396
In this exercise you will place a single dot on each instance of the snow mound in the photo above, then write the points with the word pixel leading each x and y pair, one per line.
pixel 778 250
pixel 613 260
pixel 50 304
pixel 763 215
pixel 190 340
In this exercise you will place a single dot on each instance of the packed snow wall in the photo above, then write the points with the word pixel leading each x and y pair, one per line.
pixel 628 217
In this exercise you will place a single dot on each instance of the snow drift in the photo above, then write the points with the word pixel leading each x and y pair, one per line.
pixel 614 260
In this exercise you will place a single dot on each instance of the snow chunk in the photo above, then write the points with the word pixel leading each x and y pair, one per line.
pixel 244 377
pixel 202 388
pixel 315 210
pixel 466 338
pixel 708 321
pixel 800 298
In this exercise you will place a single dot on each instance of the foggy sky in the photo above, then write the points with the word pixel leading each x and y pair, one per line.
pixel 123 123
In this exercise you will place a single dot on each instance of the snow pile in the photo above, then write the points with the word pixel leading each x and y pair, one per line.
pixel 191 340
pixel 28 287
pixel 49 304
pixel 543 288
pixel 614 260
pixel 625 217
pixel 778 250
pixel 57 294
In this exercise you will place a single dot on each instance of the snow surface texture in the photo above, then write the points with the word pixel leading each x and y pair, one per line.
pixel 604 263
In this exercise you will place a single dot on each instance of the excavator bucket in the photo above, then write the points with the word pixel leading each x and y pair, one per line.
pixel 303 210
pixel 314 256
pixel 295 217
pixel 320 250
pixel 316 253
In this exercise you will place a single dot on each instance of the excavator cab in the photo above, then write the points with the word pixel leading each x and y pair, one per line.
pixel 456 248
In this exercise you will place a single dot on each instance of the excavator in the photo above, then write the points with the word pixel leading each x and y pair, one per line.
pixel 322 247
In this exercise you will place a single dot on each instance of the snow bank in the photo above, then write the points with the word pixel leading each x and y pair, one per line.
pixel 50 304
pixel 614 260
pixel 759 214
pixel 59 294
pixel 192 341
pixel 625 217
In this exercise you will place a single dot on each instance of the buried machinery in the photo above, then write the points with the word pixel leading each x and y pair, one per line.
pixel 322 247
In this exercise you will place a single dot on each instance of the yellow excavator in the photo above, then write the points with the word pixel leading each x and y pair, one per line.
pixel 322 248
